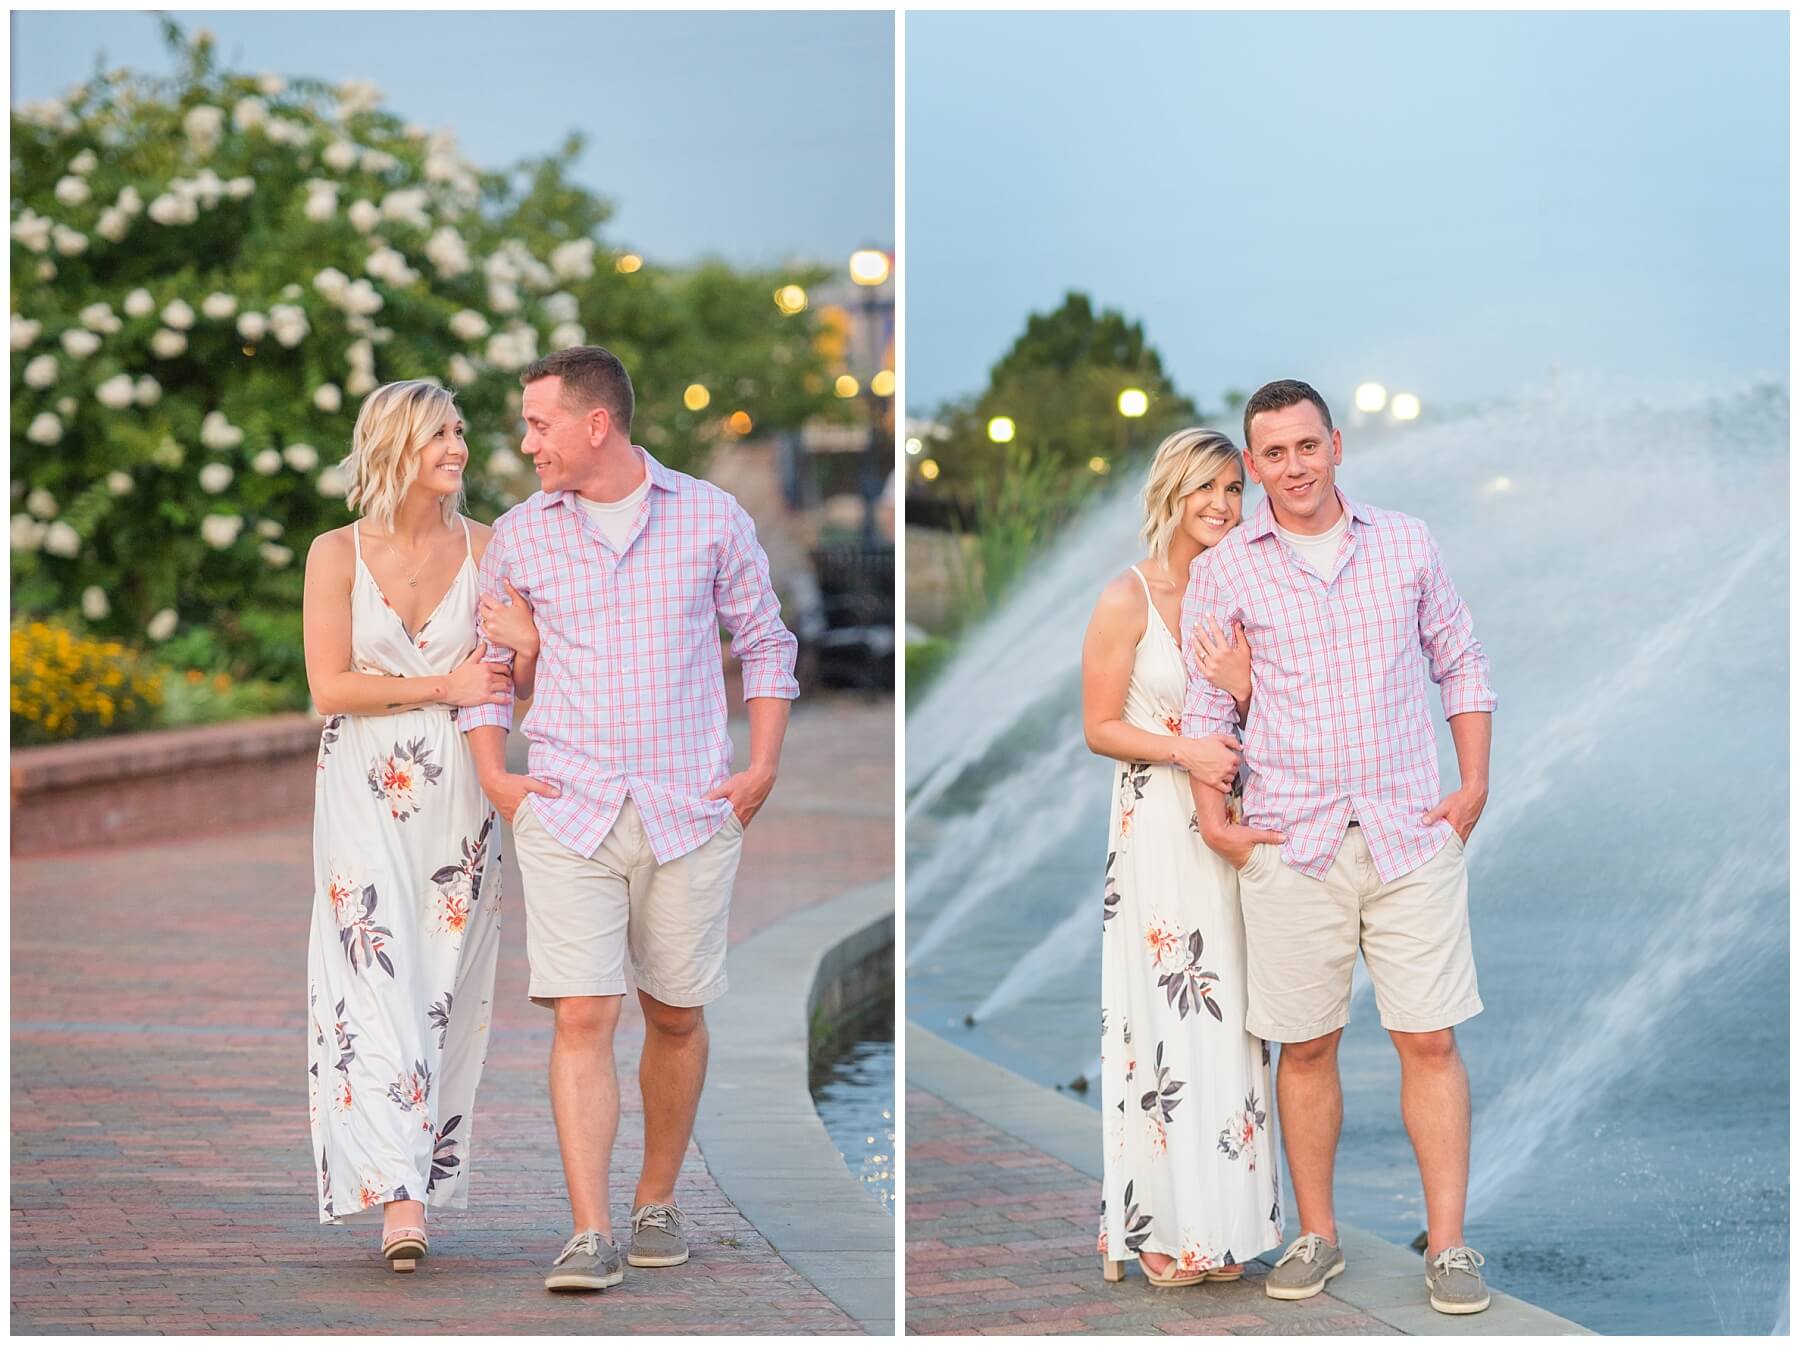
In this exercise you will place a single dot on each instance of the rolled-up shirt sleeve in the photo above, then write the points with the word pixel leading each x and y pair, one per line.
pixel 490 579
pixel 1207 710
pixel 748 609
pixel 1457 663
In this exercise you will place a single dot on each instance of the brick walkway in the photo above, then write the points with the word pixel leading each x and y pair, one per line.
pixel 161 1179
pixel 1000 1242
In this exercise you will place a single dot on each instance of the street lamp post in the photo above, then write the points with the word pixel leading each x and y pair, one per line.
pixel 870 269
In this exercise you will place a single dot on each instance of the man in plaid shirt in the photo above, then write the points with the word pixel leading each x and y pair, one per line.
pixel 630 824
pixel 1345 842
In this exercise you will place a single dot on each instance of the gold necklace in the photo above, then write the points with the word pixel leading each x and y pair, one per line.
pixel 412 580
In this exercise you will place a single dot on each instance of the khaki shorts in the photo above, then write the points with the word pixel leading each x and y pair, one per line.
pixel 583 915
pixel 1301 936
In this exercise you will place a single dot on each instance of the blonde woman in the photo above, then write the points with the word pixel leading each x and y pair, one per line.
pixel 406 853
pixel 1190 1184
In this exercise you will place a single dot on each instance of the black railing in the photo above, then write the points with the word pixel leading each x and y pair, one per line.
pixel 856 587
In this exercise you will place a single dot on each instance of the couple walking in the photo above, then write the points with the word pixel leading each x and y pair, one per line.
pixel 603 594
pixel 1242 879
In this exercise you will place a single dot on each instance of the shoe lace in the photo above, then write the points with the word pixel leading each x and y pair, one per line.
pixel 1458 1259
pixel 1306 1248
pixel 663 1217
pixel 588 1241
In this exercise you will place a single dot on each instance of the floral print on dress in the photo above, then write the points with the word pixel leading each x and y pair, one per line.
pixel 1238 1137
pixel 327 736
pixel 1163 938
pixel 440 1017
pixel 443 1153
pixel 365 943
pixel 1109 899
pixel 340 892
pixel 413 1088
pixel 1133 777
pixel 1190 986
pixel 1137 1223
pixel 396 777
pixel 345 1039
pixel 1162 1097
pixel 464 877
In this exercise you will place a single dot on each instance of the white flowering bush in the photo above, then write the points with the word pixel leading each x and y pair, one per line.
pixel 211 272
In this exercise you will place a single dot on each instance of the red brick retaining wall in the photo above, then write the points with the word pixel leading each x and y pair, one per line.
pixel 169 783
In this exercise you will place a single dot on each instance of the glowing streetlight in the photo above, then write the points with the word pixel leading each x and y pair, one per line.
pixel 740 423
pixel 696 397
pixel 929 469
pixel 869 266
pixel 846 385
pixel 627 263
pixel 1370 397
pixel 1001 429
pixel 1133 402
pixel 882 385
pixel 1406 407
pixel 914 446
pixel 1099 466
pixel 790 299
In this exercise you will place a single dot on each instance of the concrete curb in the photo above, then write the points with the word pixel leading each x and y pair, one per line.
pixel 757 1129
pixel 1383 1280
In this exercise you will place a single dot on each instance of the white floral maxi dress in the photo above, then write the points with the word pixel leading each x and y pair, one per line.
pixel 405 926
pixel 1190 1164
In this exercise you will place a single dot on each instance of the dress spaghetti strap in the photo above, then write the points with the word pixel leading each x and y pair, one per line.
pixel 468 542
pixel 1145 584
pixel 356 538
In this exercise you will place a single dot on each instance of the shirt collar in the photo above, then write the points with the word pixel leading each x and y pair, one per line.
pixel 1261 522
pixel 662 478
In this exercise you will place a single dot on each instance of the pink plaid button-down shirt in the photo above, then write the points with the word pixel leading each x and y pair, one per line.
pixel 630 696
pixel 1339 721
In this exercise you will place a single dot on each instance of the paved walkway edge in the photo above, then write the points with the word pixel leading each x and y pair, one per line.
pixel 1383 1280
pixel 757 1128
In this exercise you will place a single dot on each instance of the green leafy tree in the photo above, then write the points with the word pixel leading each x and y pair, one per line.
pixel 211 271
pixel 1059 384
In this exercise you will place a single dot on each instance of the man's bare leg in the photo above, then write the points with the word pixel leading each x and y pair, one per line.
pixel 1434 1102
pixel 584 1100
pixel 670 1075
pixel 1312 1115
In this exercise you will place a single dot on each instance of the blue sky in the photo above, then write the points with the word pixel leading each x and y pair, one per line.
pixel 1449 203
pixel 757 137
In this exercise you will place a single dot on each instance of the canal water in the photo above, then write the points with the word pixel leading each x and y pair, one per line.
pixel 853 1090
pixel 1626 560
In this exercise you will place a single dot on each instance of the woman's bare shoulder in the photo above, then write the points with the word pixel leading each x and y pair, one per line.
pixel 1121 603
pixel 333 546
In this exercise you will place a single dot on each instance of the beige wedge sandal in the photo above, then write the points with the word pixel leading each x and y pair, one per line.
pixel 403 1248
pixel 1114 1272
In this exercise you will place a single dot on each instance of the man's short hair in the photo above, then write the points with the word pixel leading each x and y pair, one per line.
pixel 1279 396
pixel 592 377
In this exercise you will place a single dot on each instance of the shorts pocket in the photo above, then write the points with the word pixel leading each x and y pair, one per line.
pixel 1251 859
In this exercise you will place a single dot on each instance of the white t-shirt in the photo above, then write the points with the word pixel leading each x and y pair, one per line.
pixel 615 517
pixel 1318 550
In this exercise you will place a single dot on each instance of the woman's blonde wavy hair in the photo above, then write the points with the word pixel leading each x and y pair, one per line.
pixel 397 420
pixel 1184 462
